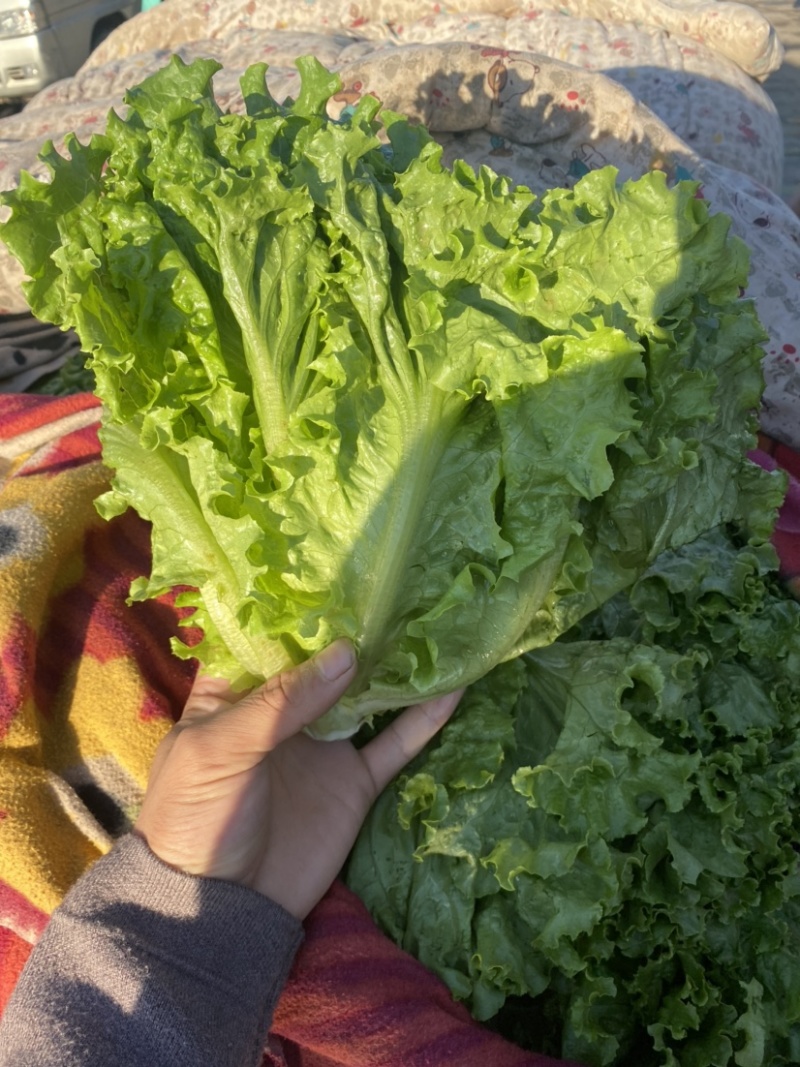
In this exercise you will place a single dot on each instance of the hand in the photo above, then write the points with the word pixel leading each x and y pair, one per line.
pixel 237 790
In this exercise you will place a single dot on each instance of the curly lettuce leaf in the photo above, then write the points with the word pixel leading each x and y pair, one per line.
pixel 359 394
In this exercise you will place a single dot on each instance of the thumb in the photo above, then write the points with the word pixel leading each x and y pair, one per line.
pixel 290 701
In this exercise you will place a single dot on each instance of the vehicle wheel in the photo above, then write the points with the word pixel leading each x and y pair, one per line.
pixel 104 27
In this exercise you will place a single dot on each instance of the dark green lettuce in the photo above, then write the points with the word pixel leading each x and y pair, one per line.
pixel 600 855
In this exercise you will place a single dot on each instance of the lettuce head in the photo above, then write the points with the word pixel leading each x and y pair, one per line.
pixel 359 393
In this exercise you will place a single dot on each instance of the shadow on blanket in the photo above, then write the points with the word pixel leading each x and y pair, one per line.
pixel 541 137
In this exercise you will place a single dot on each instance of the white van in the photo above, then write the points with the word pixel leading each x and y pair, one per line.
pixel 44 40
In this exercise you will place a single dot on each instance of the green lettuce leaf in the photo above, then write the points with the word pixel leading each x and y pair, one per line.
pixel 599 854
pixel 359 394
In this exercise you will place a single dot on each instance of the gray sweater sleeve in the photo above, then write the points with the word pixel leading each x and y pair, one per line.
pixel 144 965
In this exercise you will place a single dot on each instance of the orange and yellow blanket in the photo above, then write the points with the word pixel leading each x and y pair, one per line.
pixel 88 687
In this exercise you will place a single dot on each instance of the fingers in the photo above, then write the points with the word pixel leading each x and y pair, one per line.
pixel 390 751
pixel 285 704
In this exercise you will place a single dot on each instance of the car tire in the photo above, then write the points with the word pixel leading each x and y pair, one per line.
pixel 105 27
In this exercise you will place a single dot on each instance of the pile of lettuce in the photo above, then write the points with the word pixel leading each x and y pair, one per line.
pixel 357 393
pixel 600 853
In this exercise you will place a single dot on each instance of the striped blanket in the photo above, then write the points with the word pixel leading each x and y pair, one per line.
pixel 776 456
pixel 88 687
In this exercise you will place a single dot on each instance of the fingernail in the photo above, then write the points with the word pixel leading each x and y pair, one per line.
pixel 440 710
pixel 335 660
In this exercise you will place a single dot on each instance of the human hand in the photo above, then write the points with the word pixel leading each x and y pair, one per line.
pixel 238 791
